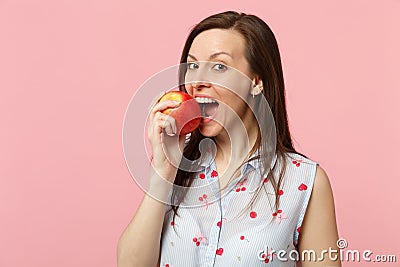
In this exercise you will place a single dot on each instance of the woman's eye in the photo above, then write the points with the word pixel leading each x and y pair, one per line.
pixel 192 66
pixel 219 67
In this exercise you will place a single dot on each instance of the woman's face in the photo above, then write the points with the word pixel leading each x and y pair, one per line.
pixel 224 52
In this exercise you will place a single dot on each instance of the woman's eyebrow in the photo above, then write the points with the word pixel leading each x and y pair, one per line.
pixel 220 53
pixel 213 56
pixel 189 55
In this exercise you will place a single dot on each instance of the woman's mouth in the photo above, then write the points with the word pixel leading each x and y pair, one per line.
pixel 208 108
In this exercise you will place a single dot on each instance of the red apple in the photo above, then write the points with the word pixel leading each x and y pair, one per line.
pixel 187 116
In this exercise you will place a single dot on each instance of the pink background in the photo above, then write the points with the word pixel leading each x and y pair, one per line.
pixel 68 70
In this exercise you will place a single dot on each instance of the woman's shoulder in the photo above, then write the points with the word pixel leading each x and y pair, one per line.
pixel 298 159
pixel 317 173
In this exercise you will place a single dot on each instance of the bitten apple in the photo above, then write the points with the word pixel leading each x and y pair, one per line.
pixel 187 116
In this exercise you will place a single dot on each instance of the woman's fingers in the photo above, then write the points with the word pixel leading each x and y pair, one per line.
pixel 155 100
pixel 160 121
pixel 164 148
pixel 163 105
pixel 163 121
pixel 171 121
pixel 167 126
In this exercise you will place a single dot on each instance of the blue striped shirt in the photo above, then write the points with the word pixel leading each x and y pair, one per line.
pixel 226 231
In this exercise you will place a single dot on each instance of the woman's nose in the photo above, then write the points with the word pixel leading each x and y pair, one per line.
pixel 198 85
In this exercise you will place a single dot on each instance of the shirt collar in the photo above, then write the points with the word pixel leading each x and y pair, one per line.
pixel 256 162
pixel 208 159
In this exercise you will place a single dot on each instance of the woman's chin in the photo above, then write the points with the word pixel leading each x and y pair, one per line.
pixel 210 128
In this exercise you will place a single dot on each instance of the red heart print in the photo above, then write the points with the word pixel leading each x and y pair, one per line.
pixel 302 187
pixel 276 212
pixel 220 251
pixel 295 162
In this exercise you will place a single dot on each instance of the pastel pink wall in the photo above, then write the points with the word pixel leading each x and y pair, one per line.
pixel 68 70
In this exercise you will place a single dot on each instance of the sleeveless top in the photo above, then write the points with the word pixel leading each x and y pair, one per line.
pixel 227 231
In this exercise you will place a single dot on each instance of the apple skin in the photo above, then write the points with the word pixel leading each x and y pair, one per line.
pixel 187 116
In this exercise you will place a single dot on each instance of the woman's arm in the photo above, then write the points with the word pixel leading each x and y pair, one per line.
pixel 139 244
pixel 319 230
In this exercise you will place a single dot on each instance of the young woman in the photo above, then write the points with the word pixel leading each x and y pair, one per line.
pixel 241 207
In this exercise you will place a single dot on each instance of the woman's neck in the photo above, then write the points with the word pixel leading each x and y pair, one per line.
pixel 244 137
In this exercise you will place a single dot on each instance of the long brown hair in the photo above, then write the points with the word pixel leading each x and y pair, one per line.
pixel 262 54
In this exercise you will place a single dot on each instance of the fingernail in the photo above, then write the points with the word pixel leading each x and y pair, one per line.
pixel 168 130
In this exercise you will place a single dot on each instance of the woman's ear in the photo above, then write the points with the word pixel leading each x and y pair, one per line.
pixel 257 87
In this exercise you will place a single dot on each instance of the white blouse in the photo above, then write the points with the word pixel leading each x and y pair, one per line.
pixel 225 231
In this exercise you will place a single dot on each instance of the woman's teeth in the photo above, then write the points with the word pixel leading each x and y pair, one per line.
pixel 205 100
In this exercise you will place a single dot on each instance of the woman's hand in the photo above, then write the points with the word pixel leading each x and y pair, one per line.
pixel 166 145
